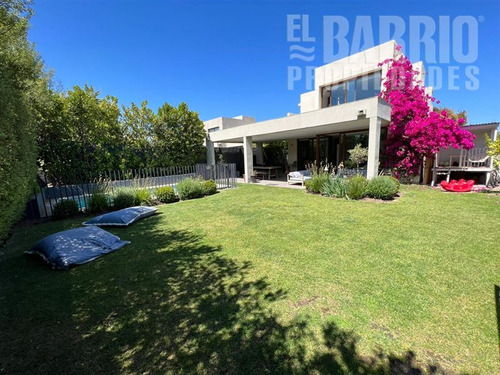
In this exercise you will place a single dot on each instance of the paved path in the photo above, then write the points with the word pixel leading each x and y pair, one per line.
pixel 281 182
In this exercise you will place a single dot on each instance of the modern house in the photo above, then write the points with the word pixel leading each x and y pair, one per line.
pixel 343 110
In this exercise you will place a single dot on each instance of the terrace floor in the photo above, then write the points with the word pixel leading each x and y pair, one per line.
pixel 275 182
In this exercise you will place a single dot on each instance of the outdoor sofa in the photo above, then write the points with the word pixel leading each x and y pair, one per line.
pixel 298 177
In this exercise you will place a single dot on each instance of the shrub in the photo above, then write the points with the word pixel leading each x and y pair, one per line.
pixel 98 202
pixel 20 98
pixel 123 198
pixel 316 183
pixel 209 187
pixel 336 187
pixel 383 187
pixel 143 197
pixel 165 194
pixel 65 209
pixel 357 187
pixel 189 188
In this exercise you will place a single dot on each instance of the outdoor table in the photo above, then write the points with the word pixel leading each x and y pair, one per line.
pixel 269 170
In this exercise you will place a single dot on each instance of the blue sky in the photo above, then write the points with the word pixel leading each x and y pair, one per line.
pixel 226 58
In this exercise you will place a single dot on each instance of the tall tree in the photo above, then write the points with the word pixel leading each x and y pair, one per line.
pixel 178 136
pixel 80 135
pixel 137 128
pixel 21 76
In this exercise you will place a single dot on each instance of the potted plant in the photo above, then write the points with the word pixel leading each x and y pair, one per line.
pixel 253 177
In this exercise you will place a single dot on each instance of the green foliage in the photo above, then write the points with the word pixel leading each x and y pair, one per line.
pixel 21 86
pixel 209 187
pixel 80 135
pixel 123 198
pixel 316 183
pixel 165 194
pixel 336 187
pixel 65 209
pixel 137 128
pixel 358 155
pixel 189 188
pixel 357 187
pixel 83 134
pixel 98 202
pixel 494 150
pixel 453 114
pixel 383 187
pixel 143 197
pixel 275 152
pixel 178 136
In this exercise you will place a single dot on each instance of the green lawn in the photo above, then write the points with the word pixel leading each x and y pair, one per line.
pixel 266 280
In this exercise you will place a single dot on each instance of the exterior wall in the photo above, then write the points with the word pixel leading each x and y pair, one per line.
pixel 227 123
pixel 308 101
pixel 355 65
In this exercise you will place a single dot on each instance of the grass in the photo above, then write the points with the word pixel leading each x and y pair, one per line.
pixel 266 280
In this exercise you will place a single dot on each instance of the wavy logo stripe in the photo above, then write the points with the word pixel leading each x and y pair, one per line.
pixel 301 49
pixel 301 57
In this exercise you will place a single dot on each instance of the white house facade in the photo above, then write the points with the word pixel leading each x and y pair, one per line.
pixel 343 110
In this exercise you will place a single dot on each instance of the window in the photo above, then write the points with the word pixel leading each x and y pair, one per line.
pixel 338 94
pixel 351 90
pixel 211 130
pixel 363 87
pixel 368 86
pixel 326 95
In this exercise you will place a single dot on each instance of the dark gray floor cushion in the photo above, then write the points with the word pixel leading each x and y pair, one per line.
pixel 76 246
pixel 122 218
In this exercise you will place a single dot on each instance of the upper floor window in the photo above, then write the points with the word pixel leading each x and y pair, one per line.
pixel 363 87
pixel 211 130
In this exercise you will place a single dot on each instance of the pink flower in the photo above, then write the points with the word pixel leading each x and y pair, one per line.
pixel 415 131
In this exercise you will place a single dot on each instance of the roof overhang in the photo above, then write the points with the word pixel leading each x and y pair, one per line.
pixel 341 118
pixel 482 127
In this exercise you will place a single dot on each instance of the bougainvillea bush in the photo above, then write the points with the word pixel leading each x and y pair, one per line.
pixel 415 130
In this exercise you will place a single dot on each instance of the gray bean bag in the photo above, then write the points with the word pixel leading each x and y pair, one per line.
pixel 122 218
pixel 76 246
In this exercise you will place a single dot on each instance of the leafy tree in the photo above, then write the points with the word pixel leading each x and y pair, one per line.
pixel 178 136
pixel 80 135
pixel 137 129
pixel 21 77
pixel 415 131
pixel 453 114
pixel 358 154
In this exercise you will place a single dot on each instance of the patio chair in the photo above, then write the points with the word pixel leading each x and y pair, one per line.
pixel 298 177
pixel 478 160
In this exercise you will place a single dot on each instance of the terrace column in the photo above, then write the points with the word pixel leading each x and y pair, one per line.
pixel 248 157
pixel 211 157
pixel 210 152
pixel 373 147
pixel 259 154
